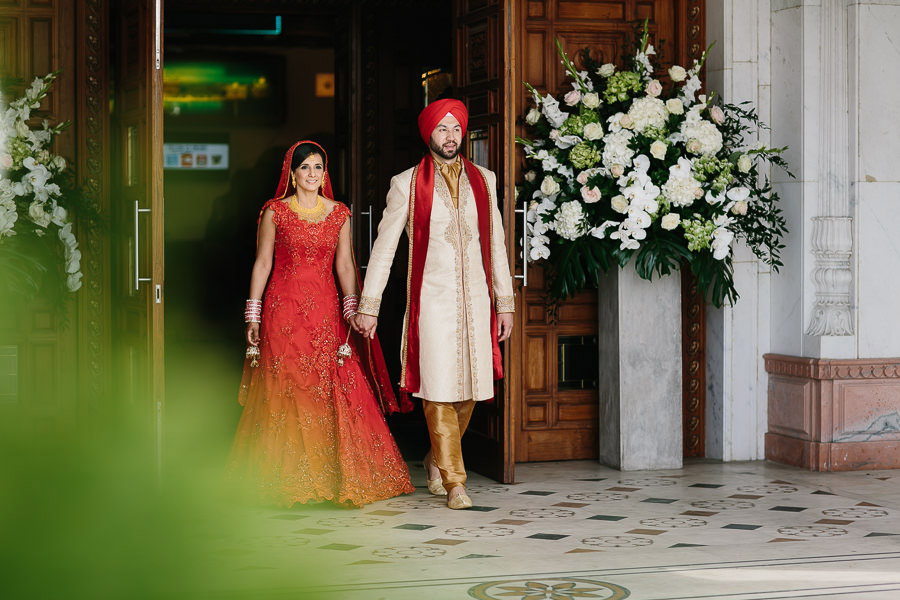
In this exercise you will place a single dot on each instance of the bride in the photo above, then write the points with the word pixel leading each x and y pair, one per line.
pixel 313 424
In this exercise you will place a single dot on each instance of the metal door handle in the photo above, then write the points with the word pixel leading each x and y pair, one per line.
pixel 157 41
pixel 524 275
pixel 368 213
pixel 137 246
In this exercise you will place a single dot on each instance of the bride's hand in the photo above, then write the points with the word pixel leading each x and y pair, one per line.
pixel 253 334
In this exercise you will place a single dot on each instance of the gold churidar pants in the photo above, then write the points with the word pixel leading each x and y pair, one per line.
pixel 447 422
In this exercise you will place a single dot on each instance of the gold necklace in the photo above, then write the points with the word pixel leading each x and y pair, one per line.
pixel 308 214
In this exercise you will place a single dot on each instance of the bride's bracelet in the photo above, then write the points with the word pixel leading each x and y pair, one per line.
pixel 350 304
pixel 253 311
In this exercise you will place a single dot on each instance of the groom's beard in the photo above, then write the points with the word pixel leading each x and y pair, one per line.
pixel 448 154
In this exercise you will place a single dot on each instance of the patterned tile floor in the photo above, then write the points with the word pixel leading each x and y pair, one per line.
pixel 578 530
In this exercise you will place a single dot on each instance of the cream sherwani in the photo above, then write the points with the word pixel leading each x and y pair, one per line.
pixel 455 357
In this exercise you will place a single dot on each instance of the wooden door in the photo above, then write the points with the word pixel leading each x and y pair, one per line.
pixel 482 67
pixel 39 374
pixel 137 214
pixel 554 406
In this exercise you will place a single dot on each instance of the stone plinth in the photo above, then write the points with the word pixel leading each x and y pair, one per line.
pixel 834 415
pixel 640 371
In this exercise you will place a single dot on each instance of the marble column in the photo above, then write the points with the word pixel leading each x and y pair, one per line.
pixel 640 371
pixel 834 366
pixel 737 70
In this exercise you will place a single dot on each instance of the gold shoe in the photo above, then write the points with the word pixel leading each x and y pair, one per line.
pixel 459 502
pixel 435 486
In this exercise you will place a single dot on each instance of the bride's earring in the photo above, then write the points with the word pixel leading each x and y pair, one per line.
pixel 293 180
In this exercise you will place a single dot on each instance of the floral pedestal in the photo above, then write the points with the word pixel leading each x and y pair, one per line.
pixel 640 371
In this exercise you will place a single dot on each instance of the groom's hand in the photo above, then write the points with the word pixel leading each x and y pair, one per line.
pixel 504 326
pixel 365 324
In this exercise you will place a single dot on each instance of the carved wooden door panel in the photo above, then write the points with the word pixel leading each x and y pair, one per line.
pixel 482 69
pixel 553 388
pixel 137 213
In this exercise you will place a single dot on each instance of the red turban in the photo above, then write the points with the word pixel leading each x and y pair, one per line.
pixel 435 112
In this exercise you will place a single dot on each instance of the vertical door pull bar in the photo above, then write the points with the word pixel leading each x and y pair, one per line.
pixel 157 30
pixel 368 213
pixel 524 275
pixel 137 246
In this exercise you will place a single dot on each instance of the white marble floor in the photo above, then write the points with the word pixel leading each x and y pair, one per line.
pixel 575 530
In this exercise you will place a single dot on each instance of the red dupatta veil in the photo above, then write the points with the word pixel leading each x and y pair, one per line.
pixel 369 351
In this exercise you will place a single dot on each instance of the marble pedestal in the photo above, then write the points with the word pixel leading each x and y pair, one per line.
pixel 640 371
pixel 834 414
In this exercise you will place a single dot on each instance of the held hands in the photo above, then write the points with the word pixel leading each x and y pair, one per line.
pixel 253 334
pixel 364 324
pixel 504 326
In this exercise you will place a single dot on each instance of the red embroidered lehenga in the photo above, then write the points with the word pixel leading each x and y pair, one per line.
pixel 313 429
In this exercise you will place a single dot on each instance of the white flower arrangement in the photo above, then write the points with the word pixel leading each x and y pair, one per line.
pixel 625 165
pixel 32 197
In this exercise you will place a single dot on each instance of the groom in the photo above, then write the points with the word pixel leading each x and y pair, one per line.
pixel 459 299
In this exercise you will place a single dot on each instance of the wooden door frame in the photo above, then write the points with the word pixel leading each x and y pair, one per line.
pixel 515 344
pixel 689 45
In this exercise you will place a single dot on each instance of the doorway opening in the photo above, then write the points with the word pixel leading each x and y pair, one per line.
pixel 240 86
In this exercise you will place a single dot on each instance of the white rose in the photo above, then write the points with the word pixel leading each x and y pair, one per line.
pixel 582 178
pixel 658 149
pixel 739 208
pixel 617 170
pixel 693 146
pixel 549 186
pixel 670 221
pixel 590 195
pixel 744 163
pixel 626 122
pixel 554 134
pixel 677 73
pixel 572 98
pixel 619 204
pixel 591 100
pixel 675 106
pixel 606 70
pixel 717 115
pixel 533 116
pixel 529 176
pixel 593 131
pixel 654 88
pixel 6 162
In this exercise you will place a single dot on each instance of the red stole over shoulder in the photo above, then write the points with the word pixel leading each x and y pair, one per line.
pixel 421 196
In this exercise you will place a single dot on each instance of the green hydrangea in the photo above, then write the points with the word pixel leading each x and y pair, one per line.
pixel 714 170
pixel 655 133
pixel 588 115
pixel 698 233
pixel 19 150
pixel 584 156
pixel 620 86
pixel 574 125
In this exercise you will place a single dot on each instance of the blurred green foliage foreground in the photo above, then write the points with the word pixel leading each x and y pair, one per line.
pixel 85 515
